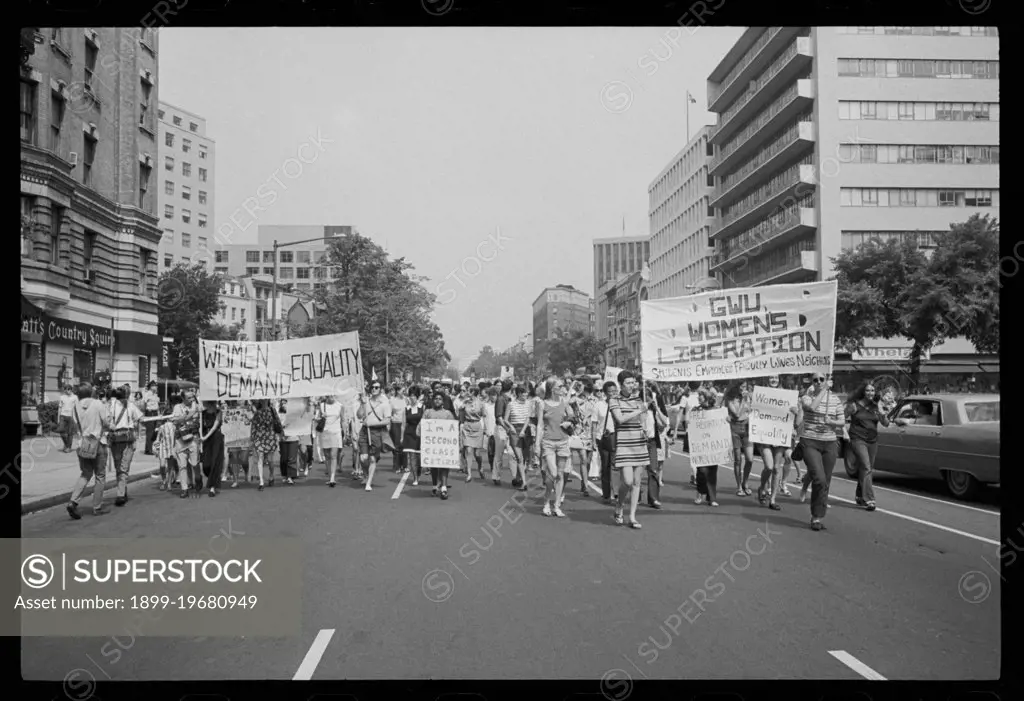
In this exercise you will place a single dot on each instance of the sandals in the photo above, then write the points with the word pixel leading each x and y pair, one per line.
pixel 635 524
pixel 331 484
pixel 260 488
pixel 444 494
pixel 618 519
pixel 774 507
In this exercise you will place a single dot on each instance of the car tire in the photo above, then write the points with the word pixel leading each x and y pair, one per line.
pixel 961 484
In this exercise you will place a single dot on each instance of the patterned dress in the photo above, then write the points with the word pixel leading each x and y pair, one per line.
pixel 263 438
pixel 631 442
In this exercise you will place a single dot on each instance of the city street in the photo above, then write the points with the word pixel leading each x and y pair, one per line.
pixel 402 585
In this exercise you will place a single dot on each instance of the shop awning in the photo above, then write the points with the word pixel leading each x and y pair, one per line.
pixel 959 368
pixel 990 368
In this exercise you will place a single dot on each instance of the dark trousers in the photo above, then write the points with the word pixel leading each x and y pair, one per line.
pixel 707 482
pixel 864 455
pixel 150 432
pixel 653 485
pixel 66 428
pixel 820 458
pixel 289 458
pixel 396 438
pixel 607 455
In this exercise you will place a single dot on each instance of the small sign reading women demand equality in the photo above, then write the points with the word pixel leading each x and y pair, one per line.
pixel 439 443
pixel 771 421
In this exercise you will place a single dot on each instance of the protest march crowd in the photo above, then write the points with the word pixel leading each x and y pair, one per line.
pixel 555 430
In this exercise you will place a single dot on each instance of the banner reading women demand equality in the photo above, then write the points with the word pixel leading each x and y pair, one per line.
pixel 303 367
pixel 743 332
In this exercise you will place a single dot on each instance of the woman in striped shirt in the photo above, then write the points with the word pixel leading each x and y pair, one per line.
pixel 822 418
pixel 631 453
pixel 518 417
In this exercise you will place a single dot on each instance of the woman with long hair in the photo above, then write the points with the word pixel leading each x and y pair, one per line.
pixel 471 416
pixel 331 437
pixel 864 414
pixel 211 441
pixel 737 401
pixel 657 444
pixel 629 411
pixel 265 428
pixel 518 417
pixel 554 427
pixel 773 457
pixel 707 475
pixel 822 419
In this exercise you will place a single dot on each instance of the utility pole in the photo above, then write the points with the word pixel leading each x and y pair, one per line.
pixel 387 357
pixel 273 293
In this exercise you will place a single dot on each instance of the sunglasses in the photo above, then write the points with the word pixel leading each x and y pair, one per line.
pixel 374 386
pixel 819 379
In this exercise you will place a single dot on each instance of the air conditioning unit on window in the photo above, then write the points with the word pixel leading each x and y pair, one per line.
pixel 73 158
pixel 92 36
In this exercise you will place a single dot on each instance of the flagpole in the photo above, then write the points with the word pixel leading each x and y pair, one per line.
pixel 688 116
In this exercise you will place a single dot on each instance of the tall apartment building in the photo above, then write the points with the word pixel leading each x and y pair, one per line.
pixel 829 136
pixel 300 266
pixel 186 171
pixel 681 219
pixel 89 234
pixel 559 308
pixel 614 259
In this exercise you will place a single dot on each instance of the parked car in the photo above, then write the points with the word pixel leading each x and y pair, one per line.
pixel 952 437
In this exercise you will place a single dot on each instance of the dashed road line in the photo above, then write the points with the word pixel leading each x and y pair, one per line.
pixel 312 658
pixel 401 485
pixel 856 665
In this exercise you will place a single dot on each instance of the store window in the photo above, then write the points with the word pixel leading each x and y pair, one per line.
pixel 30 377
pixel 84 365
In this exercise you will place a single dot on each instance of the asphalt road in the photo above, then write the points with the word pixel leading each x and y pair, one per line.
pixel 477 587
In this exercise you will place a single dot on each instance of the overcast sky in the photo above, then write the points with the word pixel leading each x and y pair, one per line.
pixel 433 139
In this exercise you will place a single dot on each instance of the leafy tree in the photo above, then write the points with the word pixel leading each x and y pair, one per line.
pixel 568 351
pixel 894 290
pixel 385 302
pixel 189 299
pixel 223 332
pixel 487 364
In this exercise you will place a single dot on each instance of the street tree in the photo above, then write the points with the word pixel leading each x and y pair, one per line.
pixel 893 289
pixel 189 300
pixel 573 349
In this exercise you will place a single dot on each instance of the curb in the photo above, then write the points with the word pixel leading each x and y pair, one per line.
pixel 58 499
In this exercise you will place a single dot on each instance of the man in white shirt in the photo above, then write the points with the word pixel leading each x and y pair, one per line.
pixel 124 426
pixel 66 419
pixel 90 416
pixel 151 407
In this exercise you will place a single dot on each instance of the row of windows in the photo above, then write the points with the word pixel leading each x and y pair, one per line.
pixel 923 31
pixel 290 273
pixel 769 189
pixel 681 170
pixel 915 68
pixel 286 256
pixel 779 141
pixel 921 111
pixel 192 126
pixel 186 191
pixel 923 239
pixel 686 193
pixel 186 145
pixel 771 264
pixel 186 168
pixel 892 153
pixel 186 240
pixel 186 215
pixel 767 228
pixel 916 197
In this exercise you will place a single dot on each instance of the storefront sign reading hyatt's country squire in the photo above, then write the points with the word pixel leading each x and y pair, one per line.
pixel 63 330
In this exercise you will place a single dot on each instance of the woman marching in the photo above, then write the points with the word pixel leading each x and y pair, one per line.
pixel 439 476
pixel 554 427
pixel 707 475
pixel 331 436
pixel 822 418
pixel 265 428
pixel 471 416
pixel 629 411
pixel 411 436
pixel 864 414
pixel 211 442
pixel 737 401
pixel 774 457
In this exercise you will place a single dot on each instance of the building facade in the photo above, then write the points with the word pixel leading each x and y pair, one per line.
pixel 185 188
pixel 614 258
pixel 246 305
pixel 561 308
pixel 681 219
pixel 301 266
pixel 90 234
pixel 830 136
pixel 622 342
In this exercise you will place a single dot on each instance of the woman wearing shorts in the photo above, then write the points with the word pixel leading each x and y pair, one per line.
pixel 737 401
pixel 631 453
pixel 773 457
pixel 554 427
pixel 517 414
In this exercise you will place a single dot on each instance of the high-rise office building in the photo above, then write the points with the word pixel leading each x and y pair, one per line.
pixel 681 219
pixel 186 189
pixel 830 136
pixel 89 230
pixel 614 259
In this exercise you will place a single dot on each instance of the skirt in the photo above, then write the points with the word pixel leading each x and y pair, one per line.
pixel 473 435
pixel 330 439
pixel 631 448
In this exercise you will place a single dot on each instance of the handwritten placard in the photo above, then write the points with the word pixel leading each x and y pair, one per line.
pixel 439 443
pixel 710 438
pixel 771 421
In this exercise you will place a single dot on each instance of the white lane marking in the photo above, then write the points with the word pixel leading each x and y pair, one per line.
pixel 921 521
pixel 401 484
pixel 895 491
pixel 312 658
pixel 856 665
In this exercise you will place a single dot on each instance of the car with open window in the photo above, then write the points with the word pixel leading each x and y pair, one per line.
pixel 952 437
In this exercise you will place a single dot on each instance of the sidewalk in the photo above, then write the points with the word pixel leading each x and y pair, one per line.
pixel 48 474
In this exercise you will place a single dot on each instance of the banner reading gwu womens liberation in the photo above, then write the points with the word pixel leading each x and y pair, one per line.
pixel 742 332
pixel 302 367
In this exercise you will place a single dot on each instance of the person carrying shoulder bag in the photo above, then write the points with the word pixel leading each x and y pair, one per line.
pixel 90 417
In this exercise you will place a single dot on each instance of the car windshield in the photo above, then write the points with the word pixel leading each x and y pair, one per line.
pixel 981 411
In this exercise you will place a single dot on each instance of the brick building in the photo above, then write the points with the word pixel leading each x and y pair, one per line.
pixel 90 234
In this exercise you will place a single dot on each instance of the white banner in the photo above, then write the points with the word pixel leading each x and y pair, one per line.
pixel 743 332
pixel 439 443
pixel 710 438
pixel 771 422
pixel 507 372
pixel 304 367
pixel 611 374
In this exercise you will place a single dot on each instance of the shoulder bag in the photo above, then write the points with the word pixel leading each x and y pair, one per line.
pixel 322 421
pixel 122 435
pixel 189 428
pixel 89 447
pixel 608 441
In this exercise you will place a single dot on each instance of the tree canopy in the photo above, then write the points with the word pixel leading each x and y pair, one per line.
pixel 894 289
pixel 189 299
pixel 569 351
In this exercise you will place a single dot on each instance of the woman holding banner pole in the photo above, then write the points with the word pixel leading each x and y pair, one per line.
pixel 737 401
pixel 823 417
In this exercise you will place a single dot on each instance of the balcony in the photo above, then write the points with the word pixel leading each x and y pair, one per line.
pixel 794 61
pixel 799 268
pixel 797 182
pixel 752 63
pixel 797 99
pixel 793 143
pixel 797 223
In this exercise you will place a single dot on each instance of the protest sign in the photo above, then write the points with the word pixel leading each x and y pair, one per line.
pixel 439 443
pixel 771 422
pixel 298 418
pixel 611 374
pixel 306 367
pixel 507 372
pixel 710 438
pixel 742 332
pixel 236 420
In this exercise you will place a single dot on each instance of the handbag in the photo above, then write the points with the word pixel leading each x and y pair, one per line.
pixel 89 447
pixel 322 421
pixel 575 440
pixel 122 435
pixel 608 441
pixel 798 452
